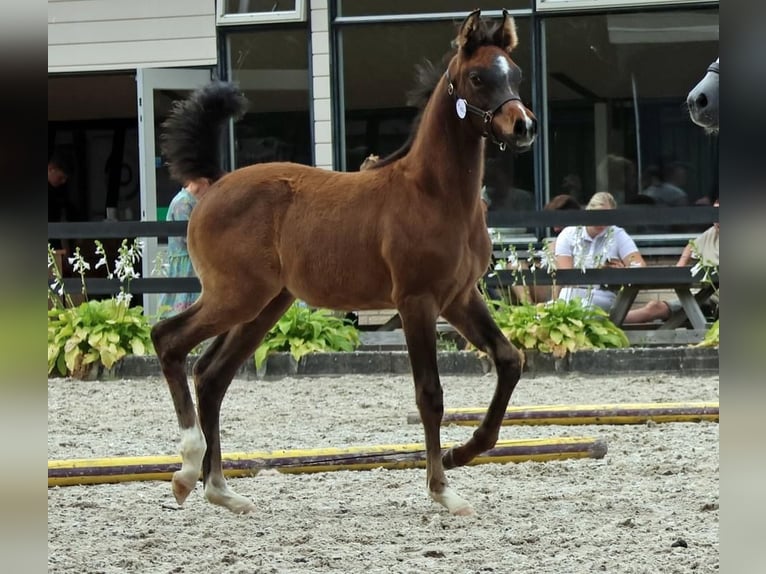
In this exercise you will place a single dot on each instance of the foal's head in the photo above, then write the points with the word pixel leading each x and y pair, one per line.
pixel 484 82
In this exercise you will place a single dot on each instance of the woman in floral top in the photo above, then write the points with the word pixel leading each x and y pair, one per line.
pixel 179 263
pixel 593 246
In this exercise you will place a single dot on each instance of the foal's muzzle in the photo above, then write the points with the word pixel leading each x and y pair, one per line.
pixel 516 126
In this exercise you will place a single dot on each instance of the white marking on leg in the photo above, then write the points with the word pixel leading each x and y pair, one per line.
pixel 193 448
pixel 218 492
pixel 452 501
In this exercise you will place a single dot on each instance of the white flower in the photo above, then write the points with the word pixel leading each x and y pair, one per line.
pixel 79 265
pixel 547 260
pixel 124 298
pixel 58 287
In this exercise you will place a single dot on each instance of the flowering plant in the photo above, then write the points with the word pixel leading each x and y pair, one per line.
pixel 555 327
pixel 710 276
pixel 80 336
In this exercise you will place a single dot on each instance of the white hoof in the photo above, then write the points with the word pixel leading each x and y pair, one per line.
pixel 452 502
pixel 224 496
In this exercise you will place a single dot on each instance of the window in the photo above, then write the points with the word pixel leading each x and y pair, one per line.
pixel 616 117
pixel 602 4
pixel 378 69
pixel 379 8
pixel 259 11
pixel 271 68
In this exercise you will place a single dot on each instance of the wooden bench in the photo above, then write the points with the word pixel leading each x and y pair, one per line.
pixel 632 280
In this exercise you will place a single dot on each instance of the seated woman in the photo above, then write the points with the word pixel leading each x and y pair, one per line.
pixel 541 293
pixel 704 247
pixel 594 246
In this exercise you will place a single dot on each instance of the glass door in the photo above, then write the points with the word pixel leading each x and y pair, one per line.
pixel 157 89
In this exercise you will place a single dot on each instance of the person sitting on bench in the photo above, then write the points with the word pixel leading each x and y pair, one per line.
pixel 594 246
pixel 706 248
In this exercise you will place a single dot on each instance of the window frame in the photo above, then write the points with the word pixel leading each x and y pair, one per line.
pixel 561 5
pixel 235 19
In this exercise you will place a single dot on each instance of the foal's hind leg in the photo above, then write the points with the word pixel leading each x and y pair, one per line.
pixel 213 374
pixel 419 321
pixel 173 338
pixel 472 318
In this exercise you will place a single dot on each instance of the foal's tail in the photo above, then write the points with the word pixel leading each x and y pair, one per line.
pixel 191 136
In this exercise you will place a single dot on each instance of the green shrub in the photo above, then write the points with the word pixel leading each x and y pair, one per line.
pixel 557 327
pixel 102 331
pixel 95 331
pixel 711 338
pixel 303 330
pixel 709 272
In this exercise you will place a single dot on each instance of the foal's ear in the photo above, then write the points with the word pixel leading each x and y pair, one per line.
pixel 505 35
pixel 468 29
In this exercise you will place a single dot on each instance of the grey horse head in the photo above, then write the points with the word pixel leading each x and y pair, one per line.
pixel 703 100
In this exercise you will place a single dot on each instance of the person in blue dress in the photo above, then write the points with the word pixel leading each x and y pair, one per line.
pixel 179 263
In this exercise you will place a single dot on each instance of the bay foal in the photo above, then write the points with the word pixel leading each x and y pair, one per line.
pixel 409 235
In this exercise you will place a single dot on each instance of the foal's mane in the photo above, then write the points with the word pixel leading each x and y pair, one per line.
pixel 427 77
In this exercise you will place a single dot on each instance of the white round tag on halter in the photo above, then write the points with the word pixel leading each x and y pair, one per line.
pixel 460 108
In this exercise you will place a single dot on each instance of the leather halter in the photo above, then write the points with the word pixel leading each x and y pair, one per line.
pixel 486 115
pixel 713 68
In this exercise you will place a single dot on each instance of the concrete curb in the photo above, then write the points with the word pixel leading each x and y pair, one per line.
pixel 676 360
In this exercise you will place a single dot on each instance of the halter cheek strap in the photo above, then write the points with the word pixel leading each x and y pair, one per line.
pixel 486 115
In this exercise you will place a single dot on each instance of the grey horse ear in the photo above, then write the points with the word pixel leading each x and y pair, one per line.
pixel 505 36
pixel 468 29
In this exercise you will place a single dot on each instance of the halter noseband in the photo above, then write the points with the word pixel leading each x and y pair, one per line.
pixel 486 115
pixel 713 68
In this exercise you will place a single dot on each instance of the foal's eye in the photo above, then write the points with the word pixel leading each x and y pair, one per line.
pixel 475 79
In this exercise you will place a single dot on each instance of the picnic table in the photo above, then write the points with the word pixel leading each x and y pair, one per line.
pixel 632 280
pixel 680 280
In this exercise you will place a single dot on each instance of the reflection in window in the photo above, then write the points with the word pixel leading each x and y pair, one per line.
pixel 247 6
pixel 616 89
pixel 377 118
pixel 271 68
pixel 377 7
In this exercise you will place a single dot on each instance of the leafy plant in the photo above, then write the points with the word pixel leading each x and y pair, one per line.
pixel 711 338
pixel 557 327
pixel 95 331
pixel 102 331
pixel 303 330
pixel 710 271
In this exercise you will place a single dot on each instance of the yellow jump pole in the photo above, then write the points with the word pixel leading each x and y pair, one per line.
pixel 124 469
pixel 607 414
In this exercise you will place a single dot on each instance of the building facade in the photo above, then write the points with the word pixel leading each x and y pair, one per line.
pixel 328 82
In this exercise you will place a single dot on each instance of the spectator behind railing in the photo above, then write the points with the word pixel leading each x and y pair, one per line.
pixel 60 208
pixel 179 263
pixel 704 247
pixel 594 246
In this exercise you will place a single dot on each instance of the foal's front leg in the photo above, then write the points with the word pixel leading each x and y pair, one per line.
pixel 419 322
pixel 471 317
